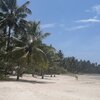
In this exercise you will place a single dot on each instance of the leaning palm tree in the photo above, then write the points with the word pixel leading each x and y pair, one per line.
pixel 28 55
pixel 31 51
pixel 10 16
pixel 37 36
pixel 27 47
pixel 51 56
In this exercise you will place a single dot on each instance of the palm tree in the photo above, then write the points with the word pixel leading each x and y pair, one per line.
pixel 10 16
pixel 31 50
pixel 52 58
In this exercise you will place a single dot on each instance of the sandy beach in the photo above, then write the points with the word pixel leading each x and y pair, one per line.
pixel 61 87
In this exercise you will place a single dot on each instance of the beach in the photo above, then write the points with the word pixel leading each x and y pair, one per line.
pixel 61 87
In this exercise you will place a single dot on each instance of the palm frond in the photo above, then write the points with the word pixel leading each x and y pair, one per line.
pixel 40 54
pixel 3 5
pixel 17 49
pixel 44 35
pixel 25 4
pixel 16 39
pixel 24 9
pixel 22 15
pixel 11 4
pixel 1 14
pixel 3 23
pixel 3 20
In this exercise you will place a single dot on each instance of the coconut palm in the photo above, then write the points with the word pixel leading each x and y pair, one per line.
pixel 10 15
pixel 52 58
pixel 30 51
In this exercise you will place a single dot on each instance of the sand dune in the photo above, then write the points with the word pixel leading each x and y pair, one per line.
pixel 61 87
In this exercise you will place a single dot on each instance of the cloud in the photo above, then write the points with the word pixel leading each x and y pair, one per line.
pixel 51 25
pixel 95 19
pixel 96 9
pixel 63 26
pixel 77 28
pixel 90 20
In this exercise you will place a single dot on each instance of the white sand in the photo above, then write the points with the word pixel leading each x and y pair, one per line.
pixel 58 88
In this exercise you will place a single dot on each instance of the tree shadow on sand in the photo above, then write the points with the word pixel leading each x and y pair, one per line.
pixel 26 81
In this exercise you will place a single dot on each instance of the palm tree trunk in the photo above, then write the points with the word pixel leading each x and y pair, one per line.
pixel 18 73
pixel 17 77
pixel 33 74
pixel 42 74
pixel 8 41
pixel 5 72
pixel 5 30
pixel 51 74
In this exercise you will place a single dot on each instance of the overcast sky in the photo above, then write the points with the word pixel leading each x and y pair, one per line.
pixel 74 25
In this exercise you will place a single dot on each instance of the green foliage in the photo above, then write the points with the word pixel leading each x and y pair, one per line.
pixel 22 48
pixel 2 68
pixel 71 64
pixel 20 40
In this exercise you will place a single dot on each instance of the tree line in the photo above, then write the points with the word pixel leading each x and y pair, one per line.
pixel 71 64
pixel 22 49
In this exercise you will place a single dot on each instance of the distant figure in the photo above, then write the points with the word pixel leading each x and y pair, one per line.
pixel 76 77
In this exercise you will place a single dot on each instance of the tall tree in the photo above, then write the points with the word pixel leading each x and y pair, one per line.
pixel 10 16
pixel 31 51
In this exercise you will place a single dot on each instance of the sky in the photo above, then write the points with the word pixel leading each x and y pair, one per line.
pixel 74 26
